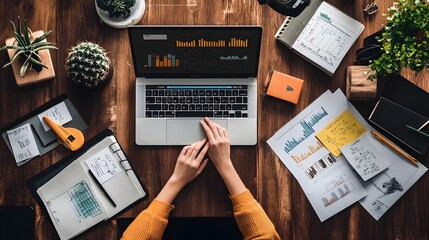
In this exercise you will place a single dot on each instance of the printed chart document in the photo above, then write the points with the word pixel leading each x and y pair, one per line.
pixel 330 183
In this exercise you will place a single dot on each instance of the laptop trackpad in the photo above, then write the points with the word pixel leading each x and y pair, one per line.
pixel 184 132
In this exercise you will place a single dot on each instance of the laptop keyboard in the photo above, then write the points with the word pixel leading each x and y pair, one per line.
pixel 182 101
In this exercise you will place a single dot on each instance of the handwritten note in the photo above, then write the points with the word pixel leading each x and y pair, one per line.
pixel 103 165
pixel 23 143
pixel 58 113
pixel 343 130
pixel 364 158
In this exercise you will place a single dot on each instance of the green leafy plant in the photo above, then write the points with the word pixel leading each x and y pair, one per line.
pixel 27 48
pixel 405 39
pixel 116 8
pixel 87 65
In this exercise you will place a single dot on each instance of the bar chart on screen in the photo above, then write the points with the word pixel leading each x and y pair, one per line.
pixel 157 60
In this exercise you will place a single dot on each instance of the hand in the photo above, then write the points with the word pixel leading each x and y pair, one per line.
pixel 189 165
pixel 190 162
pixel 219 151
pixel 220 154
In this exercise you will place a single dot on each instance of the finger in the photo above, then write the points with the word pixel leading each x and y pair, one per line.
pixel 197 148
pixel 203 152
pixel 184 150
pixel 212 127
pixel 221 131
pixel 208 131
pixel 190 149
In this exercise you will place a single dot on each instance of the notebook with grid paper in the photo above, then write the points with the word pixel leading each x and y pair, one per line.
pixel 87 187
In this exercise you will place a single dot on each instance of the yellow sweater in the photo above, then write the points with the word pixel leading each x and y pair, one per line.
pixel 251 219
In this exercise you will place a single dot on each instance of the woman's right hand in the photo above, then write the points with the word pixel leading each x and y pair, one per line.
pixel 219 151
pixel 220 154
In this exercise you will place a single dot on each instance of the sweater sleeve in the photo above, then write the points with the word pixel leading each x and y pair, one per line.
pixel 251 218
pixel 150 223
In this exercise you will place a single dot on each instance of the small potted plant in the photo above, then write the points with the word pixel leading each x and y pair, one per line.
pixel 88 65
pixel 120 13
pixel 29 54
pixel 405 39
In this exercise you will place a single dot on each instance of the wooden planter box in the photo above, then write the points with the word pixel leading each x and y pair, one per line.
pixel 31 76
pixel 358 87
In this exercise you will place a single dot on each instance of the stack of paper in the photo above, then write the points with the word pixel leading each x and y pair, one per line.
pixel 331 183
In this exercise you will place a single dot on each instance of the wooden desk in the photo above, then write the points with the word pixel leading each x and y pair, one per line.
pixel 113 107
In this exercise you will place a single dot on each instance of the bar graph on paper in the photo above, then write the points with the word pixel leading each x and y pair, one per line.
pixel 338 188
pixel 302 130
pixel 299 132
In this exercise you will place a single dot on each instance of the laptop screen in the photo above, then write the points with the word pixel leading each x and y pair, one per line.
pixel 195 51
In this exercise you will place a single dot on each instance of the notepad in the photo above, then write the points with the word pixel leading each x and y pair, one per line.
pixel 322 34
pixel 343 130
pixel 346 135
pixel 364 157
pixel 74 200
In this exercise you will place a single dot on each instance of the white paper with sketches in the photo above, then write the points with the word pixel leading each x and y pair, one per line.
pixel 103 165
pixel 23 144
pixel 364 157
pixel 58 113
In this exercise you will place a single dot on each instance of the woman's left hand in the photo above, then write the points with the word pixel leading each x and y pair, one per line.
pixel 190 162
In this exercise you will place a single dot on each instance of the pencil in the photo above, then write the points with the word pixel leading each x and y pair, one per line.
pixel 393 147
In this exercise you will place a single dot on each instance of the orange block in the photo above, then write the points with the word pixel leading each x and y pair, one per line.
pixel 284 86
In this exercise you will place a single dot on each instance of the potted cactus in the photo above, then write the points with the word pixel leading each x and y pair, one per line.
pixel 88 65
pixel 29 54
pixel 120 13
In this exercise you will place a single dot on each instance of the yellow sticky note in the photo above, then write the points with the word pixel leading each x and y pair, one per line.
pixel 343 130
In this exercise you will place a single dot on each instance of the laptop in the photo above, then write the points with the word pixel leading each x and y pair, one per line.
pixel 186 73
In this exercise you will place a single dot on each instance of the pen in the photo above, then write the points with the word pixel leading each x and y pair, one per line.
pixel 424 125
pixel 393 147
pixel 102 188
pixel 418 131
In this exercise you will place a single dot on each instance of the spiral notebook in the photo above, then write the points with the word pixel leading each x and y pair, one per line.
pixel 87 187
pixel 322 34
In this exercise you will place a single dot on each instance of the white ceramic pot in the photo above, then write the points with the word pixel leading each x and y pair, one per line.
pixel 137 12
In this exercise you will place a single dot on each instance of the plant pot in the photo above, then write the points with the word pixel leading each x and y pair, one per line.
pixel 137 12
pixel 31 76
pixel 358 87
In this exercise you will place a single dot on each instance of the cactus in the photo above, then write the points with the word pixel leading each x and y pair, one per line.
pixel 87 65
pixel 116 8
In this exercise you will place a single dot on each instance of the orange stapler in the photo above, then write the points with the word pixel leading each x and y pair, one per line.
pixel 71 138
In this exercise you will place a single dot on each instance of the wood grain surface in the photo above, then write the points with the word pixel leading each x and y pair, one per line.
pixel 114 107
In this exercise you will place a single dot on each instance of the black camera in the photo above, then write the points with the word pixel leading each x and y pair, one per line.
pixel 287 7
